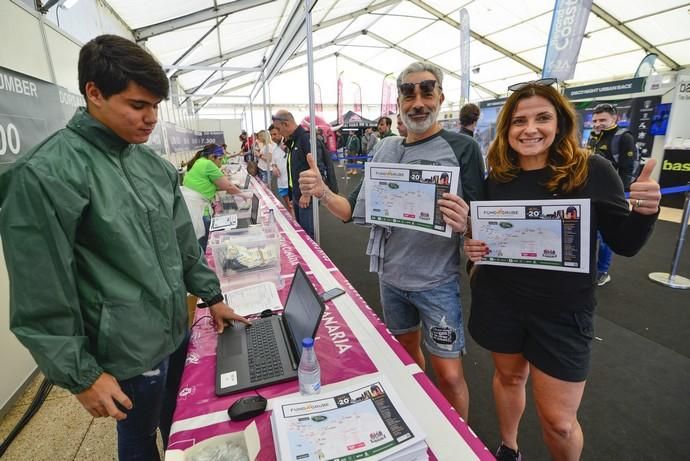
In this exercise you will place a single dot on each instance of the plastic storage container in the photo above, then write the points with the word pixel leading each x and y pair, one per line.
pixel 246 258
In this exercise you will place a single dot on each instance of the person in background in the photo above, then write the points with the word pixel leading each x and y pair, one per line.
pixel 384 127
pixel 469 114
pixel 402 129
pixel 419 273
pixel 540 323
pixel 263 151
pixel 299 146
pixel 279 167
pixel 203 179
pixel 370 139
pixel 101 251
pixel 604 128
pixel 353 150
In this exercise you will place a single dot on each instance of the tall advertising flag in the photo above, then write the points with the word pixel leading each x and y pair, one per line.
pixel 339 103
pixel 388 95
pixel 565 38
pixel 464 56
pixel 357 97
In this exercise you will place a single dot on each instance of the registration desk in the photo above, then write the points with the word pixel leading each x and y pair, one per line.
pixel 351 341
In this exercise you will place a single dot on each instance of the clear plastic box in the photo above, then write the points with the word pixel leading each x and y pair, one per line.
pixel 247 258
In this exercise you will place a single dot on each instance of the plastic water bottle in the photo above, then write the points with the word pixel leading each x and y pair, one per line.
pixel 309 372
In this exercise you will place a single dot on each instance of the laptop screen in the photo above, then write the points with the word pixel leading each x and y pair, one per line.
pixel 303 309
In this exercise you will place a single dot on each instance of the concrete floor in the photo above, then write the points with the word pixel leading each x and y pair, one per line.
pixel 61 430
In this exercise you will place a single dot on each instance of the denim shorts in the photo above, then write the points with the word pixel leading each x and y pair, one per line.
pixel 437 311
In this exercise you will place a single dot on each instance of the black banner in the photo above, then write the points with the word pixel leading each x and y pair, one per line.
pixel 634 114
pixel 32 109
pixel 631 85
pixel 675 171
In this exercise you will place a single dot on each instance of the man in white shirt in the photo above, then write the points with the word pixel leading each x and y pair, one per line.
pixel 279 167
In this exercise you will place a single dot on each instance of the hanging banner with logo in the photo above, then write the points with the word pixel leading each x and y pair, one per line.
pixel 565 38
pixel 30 110
pixel 678 132
pixel 464 56
pixel 627 86
pixel 675 171
pixel 634 114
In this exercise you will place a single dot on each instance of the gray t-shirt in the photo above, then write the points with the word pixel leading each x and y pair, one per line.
pixel 417 261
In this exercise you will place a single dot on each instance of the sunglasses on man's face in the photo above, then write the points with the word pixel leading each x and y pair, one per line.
pixel 540 82
pixel 278 118
pixel 426 87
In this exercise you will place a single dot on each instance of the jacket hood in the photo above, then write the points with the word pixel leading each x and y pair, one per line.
pixel 96 132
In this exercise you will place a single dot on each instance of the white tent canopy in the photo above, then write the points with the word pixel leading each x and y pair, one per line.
pixel 367 39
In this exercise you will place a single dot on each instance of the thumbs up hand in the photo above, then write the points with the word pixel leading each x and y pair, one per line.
pixel 644 192
pixel 310 181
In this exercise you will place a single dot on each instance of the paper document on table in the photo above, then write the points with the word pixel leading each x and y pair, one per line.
pixel 407 195
pixel 535 234
pixel 365 419
pixel 253 299
pixel 228 221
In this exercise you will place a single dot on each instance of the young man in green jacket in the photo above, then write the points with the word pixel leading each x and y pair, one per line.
pixel 101 251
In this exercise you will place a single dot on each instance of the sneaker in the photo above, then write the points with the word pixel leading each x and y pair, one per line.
pixel 507 454
pixel 603 278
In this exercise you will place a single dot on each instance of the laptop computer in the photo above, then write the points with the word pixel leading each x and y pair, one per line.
pixel 248 358
pixel 253 217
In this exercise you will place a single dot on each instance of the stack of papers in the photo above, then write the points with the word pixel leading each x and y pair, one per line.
pixel 363 419
pixel 253 299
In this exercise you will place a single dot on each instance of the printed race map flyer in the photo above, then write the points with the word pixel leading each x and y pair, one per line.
pixel 537 234
pixel 406 195
pixel 362 420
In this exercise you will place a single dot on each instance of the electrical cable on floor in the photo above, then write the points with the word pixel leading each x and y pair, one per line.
pixel 35 405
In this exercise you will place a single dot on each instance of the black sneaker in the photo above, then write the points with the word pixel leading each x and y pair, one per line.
pixel 507 454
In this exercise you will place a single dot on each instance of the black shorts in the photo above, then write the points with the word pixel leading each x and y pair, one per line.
pixel 558 344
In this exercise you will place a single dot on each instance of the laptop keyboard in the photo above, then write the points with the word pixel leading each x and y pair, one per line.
pixel 262 347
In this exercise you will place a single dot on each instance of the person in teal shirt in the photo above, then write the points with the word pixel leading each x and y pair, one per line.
pixel 203 179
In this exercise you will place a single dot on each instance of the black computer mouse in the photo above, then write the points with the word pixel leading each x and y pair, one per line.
pixel 247 407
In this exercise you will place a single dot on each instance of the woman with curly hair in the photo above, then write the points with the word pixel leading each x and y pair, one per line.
pixel 537 322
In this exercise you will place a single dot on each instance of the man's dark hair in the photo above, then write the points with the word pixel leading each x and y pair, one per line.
pixel 272 127
pixel 111 62
pixel 469 113
pixel 388 120
pixel 605 107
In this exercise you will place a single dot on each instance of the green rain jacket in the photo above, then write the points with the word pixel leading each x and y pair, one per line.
pixel 100 252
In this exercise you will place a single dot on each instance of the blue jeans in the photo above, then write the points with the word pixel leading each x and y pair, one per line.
pixel 439 311
pixel 263 175
pixel 153 395
pixel 605 255
pixel 305 217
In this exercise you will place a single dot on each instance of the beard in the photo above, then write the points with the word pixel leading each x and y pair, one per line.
pixel 424 125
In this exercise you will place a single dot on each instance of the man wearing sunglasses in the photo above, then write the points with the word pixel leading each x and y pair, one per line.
pixel 419 274
pixel 298 147
pixel 618 147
